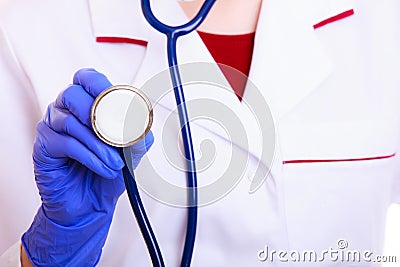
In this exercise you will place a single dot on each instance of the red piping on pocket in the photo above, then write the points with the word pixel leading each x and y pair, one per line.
pixel 120 40
pixel 335 160
pixel 340 16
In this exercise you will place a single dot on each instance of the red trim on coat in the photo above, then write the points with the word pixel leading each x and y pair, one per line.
pixel 334 18
pixel 335 160
pixel 119 40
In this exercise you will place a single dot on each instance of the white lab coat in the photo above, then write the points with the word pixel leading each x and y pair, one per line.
pixel 333 94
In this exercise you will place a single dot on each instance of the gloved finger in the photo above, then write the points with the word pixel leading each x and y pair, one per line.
pixel 62 121
pixel 144 144
pixel 92 81
pixel 52 148
pixel 139 149
pixel 75 99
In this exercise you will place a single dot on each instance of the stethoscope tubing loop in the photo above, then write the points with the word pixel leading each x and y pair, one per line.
pixel 176 30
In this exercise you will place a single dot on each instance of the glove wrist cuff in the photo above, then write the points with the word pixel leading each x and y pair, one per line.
pixel 49 244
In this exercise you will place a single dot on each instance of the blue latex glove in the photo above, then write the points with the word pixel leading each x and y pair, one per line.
pixel 79 179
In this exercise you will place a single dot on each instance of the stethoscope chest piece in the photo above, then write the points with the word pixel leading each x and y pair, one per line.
pixel 121 115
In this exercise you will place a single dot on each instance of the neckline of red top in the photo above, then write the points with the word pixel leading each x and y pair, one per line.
pixel 235 51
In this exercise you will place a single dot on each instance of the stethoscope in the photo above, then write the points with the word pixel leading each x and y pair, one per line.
pixel 109 122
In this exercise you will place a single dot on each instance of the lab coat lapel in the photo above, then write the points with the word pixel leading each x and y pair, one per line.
pixel 288 62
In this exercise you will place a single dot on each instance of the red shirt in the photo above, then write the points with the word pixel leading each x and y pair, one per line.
pixel 234 51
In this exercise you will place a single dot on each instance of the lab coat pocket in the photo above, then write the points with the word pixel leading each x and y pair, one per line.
pixel 337 180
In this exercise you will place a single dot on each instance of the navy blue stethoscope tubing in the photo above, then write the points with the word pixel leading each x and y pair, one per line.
pixel 141 217
pixel 172 33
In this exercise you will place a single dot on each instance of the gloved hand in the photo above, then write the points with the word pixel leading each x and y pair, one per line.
pixel 79 179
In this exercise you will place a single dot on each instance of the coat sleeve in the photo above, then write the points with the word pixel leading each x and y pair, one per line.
pixel 19 114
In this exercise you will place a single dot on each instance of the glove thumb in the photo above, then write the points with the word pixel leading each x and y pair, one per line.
pixel 138 150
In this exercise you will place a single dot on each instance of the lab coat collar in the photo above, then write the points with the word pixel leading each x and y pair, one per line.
pixel 289 61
